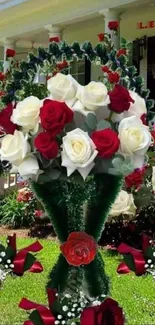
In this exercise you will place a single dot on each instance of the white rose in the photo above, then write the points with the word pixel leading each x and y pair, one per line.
pixel 14 147
pixel 138 108
pixel 135 139
pixel 124 204
pixel 29 168
pixel 78 152
pixel 26 114
pixel 153 178
pixel 63 88
pixel 91 97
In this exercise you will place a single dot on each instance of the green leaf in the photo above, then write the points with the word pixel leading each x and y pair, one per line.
pixel 102 125
pixel 35 318
pixel 129 261
pixel 91 121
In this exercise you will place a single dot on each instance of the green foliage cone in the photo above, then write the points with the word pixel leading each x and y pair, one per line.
pixel 74 205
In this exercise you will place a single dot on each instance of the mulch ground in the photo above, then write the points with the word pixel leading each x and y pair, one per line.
pixel 39 231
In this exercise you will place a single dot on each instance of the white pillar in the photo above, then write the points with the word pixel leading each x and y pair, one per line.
pixel 8 44
pixel 111 15
pixel 54 31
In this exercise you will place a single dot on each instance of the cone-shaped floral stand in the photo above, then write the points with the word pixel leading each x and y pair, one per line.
pixel 75 205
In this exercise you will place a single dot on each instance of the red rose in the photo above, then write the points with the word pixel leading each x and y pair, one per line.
pixel 47 146
pixel 105 69
pixel 113 25
pixel 5 119
pixel 120 99
pixel 101 37
pixel 2 76
pixel 135 178
pixel 113 77
pixel 79 248
pixel 106 142
pixel 54 39
pixel 10 53
pixel 108 313
pixel 144 119
pixel 121 52
pixel 54 116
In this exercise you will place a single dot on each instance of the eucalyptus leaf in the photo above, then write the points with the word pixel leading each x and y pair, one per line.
pixel 102 125
pixel 91 121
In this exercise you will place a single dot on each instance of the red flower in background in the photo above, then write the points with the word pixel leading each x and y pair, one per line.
pixel 2 76
pixel 105 69
pixel 38 213
pixel 79 248
pixel 100 37
pixel 108 313
pixel 113 25
pixel 54 39
pixel 136 178
pixel 62 65
pixel 5 119
pixel 121 52
pixel 120 99
pixel 106 142
pixel 10 53
pixel 54 116
pixel 113 77
pixel 47 146
pixel 24 195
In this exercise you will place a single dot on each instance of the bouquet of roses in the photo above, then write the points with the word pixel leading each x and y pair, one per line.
pixel 78 129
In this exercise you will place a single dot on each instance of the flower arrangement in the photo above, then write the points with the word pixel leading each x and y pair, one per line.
pixel 50 136
pixel 64 310
pixel 139 261
pixel 76 143
pixel 17 262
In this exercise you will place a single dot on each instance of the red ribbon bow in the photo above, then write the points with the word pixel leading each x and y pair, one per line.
pixel 137 255
pixel 23 255
pixel 44 312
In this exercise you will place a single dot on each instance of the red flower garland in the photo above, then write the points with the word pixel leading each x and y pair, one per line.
pixel 113 25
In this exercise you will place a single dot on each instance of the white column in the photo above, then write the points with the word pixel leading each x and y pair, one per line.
pixel 111 15
pixel 8 44
pixel 54 31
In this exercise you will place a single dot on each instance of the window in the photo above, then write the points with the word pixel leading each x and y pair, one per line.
pixel 80 70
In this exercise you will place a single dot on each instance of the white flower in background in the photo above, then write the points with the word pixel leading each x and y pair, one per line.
pixel 78 152
pixel 135 139
pixel 63 88
pixel 91 98
pixel 29 168
pixel 153 178
pixel 26 114
pixel 15 147
pixel 138 108
pixel 124 204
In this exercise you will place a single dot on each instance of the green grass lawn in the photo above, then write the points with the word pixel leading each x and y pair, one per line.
pixel 135 294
